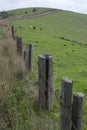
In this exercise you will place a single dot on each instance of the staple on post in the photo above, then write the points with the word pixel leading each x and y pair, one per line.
pixel 45 76
pixel 77 111
pixel 66 104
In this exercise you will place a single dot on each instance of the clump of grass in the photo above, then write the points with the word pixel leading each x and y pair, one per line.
pixel 5 51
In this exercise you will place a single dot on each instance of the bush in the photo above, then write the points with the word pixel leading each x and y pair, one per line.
pixel 34 10
pixel 26 12
pixel 34 27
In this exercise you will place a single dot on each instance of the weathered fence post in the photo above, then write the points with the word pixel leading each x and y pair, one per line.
pixel 13 33
pixel 45 76
pixel 77 111
pixel 29 57
pixel 66 104
pixel 24 55
pixel 19 45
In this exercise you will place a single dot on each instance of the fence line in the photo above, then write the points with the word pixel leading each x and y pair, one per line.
pixel 71 113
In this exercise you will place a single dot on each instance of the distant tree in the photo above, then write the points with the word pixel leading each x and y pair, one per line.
pixel 34 27
pixel 26 12
pixel 3 14
pixel 34 10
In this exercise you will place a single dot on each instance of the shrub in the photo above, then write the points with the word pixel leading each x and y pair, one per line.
pixel 34 10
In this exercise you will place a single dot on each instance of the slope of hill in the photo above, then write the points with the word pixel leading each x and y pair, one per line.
pixel 64 24
pixel 62 34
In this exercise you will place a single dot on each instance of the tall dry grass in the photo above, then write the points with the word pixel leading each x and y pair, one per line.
pixel 19 93
pixel 12 72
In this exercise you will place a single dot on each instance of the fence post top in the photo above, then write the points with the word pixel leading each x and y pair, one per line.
pixel 29 45
pixel 78 94
pixel 19 38
pixel 45 56
pixel 66 80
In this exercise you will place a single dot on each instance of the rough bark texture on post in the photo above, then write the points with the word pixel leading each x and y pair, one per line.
pixel 77 111
pixel 45 76
pixel 19 45
pixel 66 104
pixel 29 57
pixel 13 33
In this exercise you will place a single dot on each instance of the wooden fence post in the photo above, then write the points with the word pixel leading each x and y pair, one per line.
pixel 45 76
pixel 66 104
pixel 24 55
pixel 13 33
pixel 19 45
pixel 29 57
pixel 77 111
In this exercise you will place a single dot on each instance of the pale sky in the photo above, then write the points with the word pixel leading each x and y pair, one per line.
pixel 72 5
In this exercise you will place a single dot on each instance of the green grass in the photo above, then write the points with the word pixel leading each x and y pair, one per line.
pixel 69 60
pixel 62 24
pixel 47 41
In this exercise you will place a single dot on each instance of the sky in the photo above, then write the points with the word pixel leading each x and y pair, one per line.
pixel 72 5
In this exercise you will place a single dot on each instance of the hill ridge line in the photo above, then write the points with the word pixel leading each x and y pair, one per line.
pixel 50 11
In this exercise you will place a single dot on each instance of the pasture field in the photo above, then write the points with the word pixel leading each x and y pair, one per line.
pixel 64 35
pixel 65 24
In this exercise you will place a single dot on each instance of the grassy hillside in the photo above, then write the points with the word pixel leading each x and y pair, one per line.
pixel 62 34
pixel 69 25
